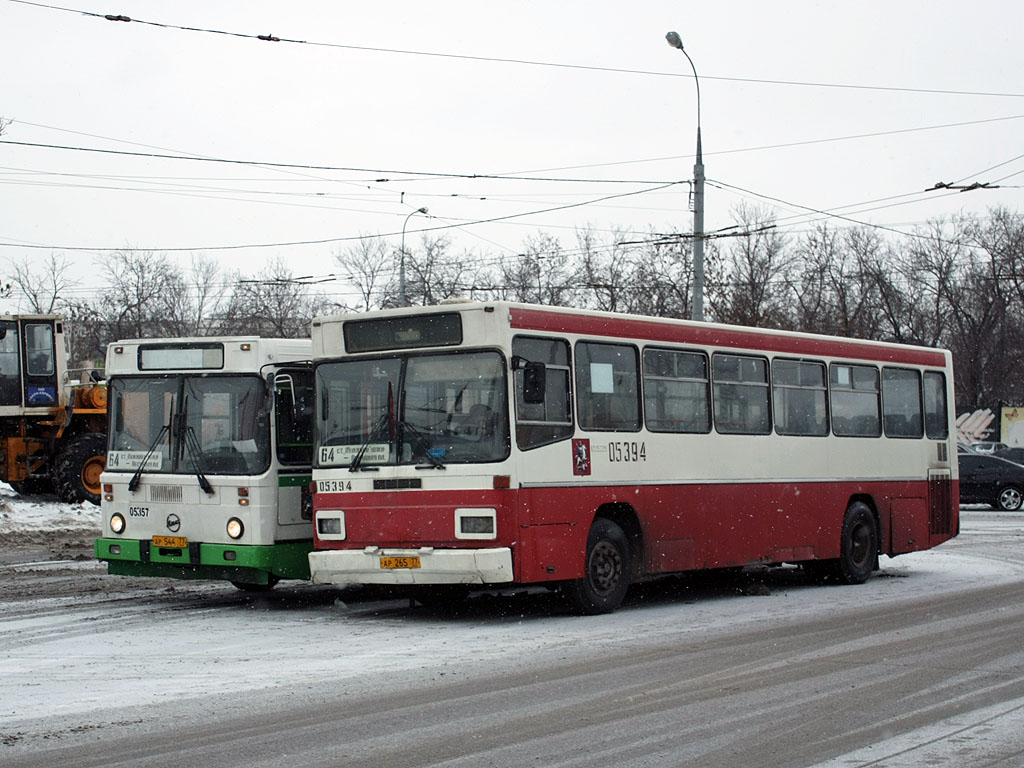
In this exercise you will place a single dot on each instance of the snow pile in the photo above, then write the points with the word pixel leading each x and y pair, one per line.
pixel 33 514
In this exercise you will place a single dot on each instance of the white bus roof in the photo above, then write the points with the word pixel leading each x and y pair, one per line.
pixel 211 354
pixel 328 338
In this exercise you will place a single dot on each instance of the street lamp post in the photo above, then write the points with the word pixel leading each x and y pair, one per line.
pixel 401 260
pixel 698 198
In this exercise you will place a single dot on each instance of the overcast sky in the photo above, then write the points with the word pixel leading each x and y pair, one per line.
pixel 851 108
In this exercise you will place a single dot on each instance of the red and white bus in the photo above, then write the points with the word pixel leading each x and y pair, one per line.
pixel 497 443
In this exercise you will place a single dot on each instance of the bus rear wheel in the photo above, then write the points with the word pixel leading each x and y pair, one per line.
pixel 858 548
pixel 606 571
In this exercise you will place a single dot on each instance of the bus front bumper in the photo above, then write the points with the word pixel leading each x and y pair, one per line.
pixel 374 565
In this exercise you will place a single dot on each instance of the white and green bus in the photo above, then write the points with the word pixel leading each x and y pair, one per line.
pixel 208 460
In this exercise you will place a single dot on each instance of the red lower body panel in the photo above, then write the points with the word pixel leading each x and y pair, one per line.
pixel 682 527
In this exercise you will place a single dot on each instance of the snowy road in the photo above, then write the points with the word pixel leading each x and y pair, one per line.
pixel 922 665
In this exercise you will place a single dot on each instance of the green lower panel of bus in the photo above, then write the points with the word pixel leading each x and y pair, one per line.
pixel 247 564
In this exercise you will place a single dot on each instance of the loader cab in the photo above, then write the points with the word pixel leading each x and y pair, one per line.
pixel 30 362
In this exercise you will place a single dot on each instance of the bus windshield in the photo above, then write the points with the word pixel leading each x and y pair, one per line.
pixel 216 425
pixel 427 410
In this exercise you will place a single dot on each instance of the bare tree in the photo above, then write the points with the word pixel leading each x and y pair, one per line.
pixel 369 266
pixel 435 273
pixel 541 274
pixel 662 281
pixel 836 286
pixel 273 304
pixel 141 287
pixel 606 269
pixel 749 285
pixel 44 285
pixel 196 311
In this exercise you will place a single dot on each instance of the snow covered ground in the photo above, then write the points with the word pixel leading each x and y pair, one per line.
pixel 91 659
pixel 28 517
pixel 304 633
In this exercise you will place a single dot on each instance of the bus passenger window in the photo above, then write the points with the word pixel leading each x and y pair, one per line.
pixel 798 388
pixel 676 393
pixel 855 401
pixel 741 395
pixel 901 402
pixel 607 386
pixel 936 415
pixel 549 421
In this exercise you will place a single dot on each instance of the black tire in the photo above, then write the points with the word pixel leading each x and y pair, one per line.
pixel 858 554
pixel 607 570
pixel 76 472
pixel 246 586
pixel 33 486
pixel 1009 499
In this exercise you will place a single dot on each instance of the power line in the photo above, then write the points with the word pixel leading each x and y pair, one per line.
pixel 514 176
pixel 785 145
pixel 500 60
pixel 349 238
pixel 265 164
pixel 829 214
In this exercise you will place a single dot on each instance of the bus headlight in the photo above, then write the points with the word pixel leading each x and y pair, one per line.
pixel 476 524
pixel 235 528
pixel 117 522
pixel 331 525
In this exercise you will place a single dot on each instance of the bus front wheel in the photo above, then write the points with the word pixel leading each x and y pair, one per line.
pixel 246 586
pixel 606 571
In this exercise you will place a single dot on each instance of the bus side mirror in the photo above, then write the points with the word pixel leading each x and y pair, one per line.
pixel 534 383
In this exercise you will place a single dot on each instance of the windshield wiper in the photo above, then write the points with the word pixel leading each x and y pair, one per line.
pixel 357 460
pixel 195 453
pixel 133 484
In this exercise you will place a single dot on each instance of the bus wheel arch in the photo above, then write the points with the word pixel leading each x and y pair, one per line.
pixel 610 559
pixel 624 516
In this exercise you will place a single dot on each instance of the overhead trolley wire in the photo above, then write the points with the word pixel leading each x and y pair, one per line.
pixel 351 238
pixel 116 17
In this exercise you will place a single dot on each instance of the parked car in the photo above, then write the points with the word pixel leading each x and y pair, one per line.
pixel 1016 455
pixel 988 446
pixel 986 479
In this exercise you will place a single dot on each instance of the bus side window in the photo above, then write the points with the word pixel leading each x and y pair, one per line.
pixel 741 395
pixel 799 395
pixel 676 391
pixel 550 420
pixel 901 402
pixel 608 387
pixel 936 415
pixel 855 401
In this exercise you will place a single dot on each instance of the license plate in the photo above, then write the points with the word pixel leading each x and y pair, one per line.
pixel 174 542
pixel 399 562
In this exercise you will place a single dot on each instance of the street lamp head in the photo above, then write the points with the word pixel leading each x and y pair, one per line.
pixel 674 40
pixel 422 210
